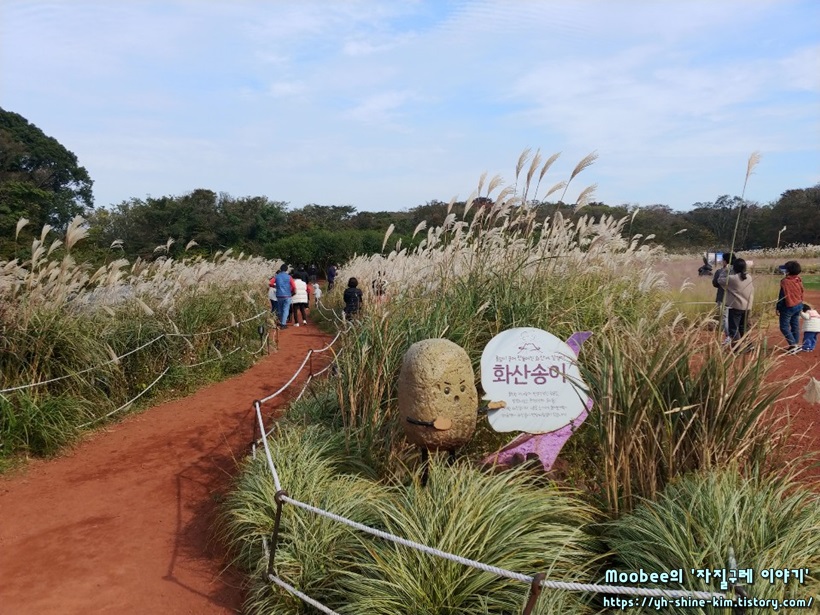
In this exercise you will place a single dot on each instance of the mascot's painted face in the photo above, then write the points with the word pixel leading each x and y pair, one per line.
pixel 438 401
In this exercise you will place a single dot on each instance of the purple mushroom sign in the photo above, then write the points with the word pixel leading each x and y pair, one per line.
pixel 536 375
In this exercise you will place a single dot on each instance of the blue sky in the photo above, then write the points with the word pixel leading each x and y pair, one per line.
pixel 387 105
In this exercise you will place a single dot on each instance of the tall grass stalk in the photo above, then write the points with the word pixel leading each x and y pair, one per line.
pixel 753 161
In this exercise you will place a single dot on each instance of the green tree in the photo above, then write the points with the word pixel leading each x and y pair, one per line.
pixel 799 211
pixel 38 176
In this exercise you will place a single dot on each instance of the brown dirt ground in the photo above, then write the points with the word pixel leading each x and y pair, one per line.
pixel 123 523
pixel 804 417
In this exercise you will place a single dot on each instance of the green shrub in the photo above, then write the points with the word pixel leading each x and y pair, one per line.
pixel 769 522
pixel 505 520
pixel 312 551
pixel 40 426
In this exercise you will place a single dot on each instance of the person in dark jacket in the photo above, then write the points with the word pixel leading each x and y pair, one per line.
pixel 728 259
pixel 331 277
pixel 353 298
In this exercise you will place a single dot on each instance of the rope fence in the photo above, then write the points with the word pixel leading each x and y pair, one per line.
pixel 165 371
pixel 128 403
pixel 130 352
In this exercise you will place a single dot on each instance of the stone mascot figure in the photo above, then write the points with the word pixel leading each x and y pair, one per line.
pixel 438 401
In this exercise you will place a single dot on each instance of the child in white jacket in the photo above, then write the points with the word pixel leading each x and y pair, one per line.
pixel 317 293
pixel 811 327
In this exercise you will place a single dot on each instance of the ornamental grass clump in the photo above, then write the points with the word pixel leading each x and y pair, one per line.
pixel 769 522
pixel 506 520
pixel 69 327
pixel 313 552
pixel 669 400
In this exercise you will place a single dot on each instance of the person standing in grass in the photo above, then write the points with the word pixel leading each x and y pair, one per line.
pixel 284 295
pixel 740 293
pixel 353 298
pixel 790 305
pixel 811 327
pixel 379 287
pixel 728 259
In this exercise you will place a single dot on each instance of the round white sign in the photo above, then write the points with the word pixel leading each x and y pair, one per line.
pixel 537 377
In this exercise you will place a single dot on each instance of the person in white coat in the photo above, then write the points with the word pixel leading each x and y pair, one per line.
pixel 300 300
pixel 811 327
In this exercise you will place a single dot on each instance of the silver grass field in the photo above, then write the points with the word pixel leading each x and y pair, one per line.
pixel 679 425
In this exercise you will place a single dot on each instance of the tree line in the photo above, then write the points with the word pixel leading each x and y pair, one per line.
pixel 41 180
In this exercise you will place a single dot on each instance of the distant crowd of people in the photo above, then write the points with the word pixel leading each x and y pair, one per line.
pixel 735 297
pixel 290 293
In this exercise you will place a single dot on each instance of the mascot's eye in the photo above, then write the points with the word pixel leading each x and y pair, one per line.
pixel 446 390
pixel 463 388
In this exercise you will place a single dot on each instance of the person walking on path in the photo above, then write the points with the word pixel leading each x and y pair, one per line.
pixel 284 295
pixel 789 305
pixel 811 327
pixel 353 298
pixel 740 293
pixel 317 294
pixel 723 311
pixel 301 298
pixel 272 294
pixel 331 277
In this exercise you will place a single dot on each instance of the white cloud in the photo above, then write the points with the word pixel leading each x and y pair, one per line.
pixel 372 101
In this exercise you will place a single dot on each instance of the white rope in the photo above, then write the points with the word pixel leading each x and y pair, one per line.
pixel 130 352
pixel 311 377
pixel 128 403
pixel 262 347
pixel 84 371
pixel 258 407
pixel 325 368
pixel 325 348
pixel 289 382
pixel 298 594
pixel 219 358
pixel 230 326
pixel 304 388
pixel 502 572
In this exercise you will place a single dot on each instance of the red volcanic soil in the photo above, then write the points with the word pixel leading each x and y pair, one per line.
pixel 804 417
pixel 123 522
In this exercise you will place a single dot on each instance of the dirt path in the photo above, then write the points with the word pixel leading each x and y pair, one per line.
pixel 122 523
pixel 804 416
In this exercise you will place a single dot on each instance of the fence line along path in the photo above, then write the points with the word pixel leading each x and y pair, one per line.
pixel 122 523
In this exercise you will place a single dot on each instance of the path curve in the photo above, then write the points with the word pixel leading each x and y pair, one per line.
pixel 123 522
